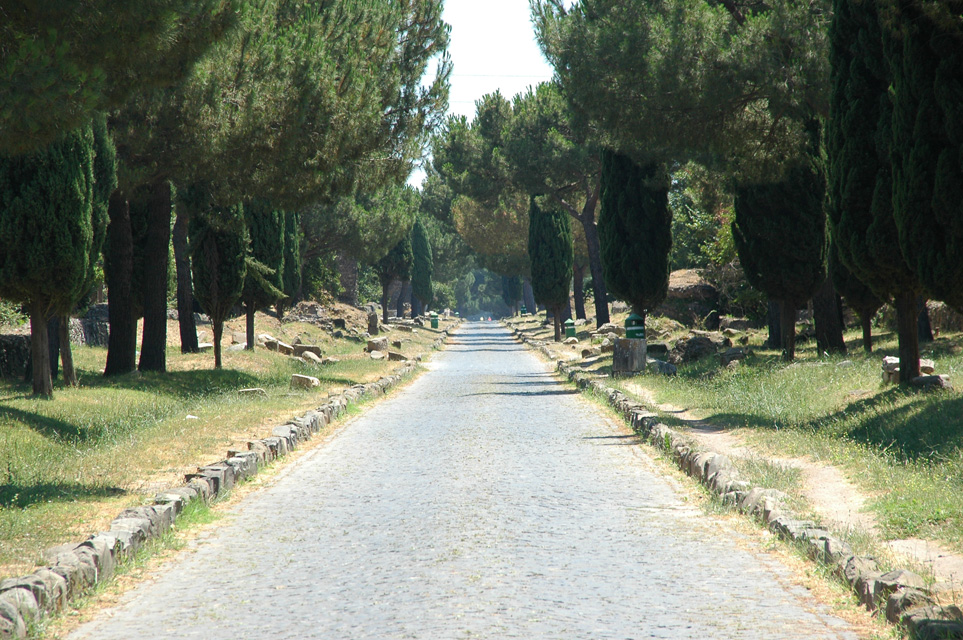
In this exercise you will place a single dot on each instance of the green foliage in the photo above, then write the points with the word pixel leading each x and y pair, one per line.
pixel 859 173
pixel 321 278
pixel 780 233
pixel 369 287
pixel 219 242
pixel 263 285
pixel 635 224
pixel 363 225
pixel 856 293
pixel 46 223
pixel 65 59
pixel 421 268
pixel 511 290
pixel 677 80
pixel 291 265
pixel 11 314
pixel 397 264
pixel 922 45
pixel 445 296
pixel 701 217
pixel 550 252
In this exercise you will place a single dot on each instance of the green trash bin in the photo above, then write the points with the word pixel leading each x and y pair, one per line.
pixel 434 320
pixel 635 327
pixel 524 310
pixel 569 328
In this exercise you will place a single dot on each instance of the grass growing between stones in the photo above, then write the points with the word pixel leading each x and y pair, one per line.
pixel 128 571
pixel 70 464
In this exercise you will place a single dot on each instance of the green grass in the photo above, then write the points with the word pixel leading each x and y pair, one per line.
pixel 69 464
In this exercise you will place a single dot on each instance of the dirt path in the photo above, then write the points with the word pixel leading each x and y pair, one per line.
pixel 837 501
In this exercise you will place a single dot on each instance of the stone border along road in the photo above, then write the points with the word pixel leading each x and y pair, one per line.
pixel 75 568
pixel 904 597
pixel 487 500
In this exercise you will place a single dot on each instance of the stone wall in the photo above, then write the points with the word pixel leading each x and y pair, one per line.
pixel 14 355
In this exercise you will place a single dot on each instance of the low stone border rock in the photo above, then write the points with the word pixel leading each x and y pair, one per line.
pixel 902 596
pixel 74 568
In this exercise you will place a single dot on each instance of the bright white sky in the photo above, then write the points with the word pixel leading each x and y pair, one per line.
pixel 492 47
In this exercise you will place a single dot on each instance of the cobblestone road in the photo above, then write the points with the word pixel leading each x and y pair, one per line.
pixel 486 500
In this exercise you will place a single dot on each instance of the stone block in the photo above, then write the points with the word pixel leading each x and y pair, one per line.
pixel 204 347
pixel 932 382
pixel 302 349
pixel 23 601
pixel 933 623
pixel 103 551
pixel 203 486
pixel 285 349
pixel 377 344
pixel 378 355
pixel 299 381
pixel 312 358
pixel 12 624
pixel 903 600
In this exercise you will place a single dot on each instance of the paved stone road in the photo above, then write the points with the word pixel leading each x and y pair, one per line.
pixel 484 501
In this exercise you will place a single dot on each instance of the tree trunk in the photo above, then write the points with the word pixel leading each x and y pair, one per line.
pixel 787 316
pixel 384 302
pixel 774 318
pixel 348 275
pixel 218 328
pixel 528 295
pixel 829 328
pixel 557 317
pixel 578 275
pixel 250 310
pixel 153 346
pixel 185 284
pixel 70 374
pixel 595 266
pixel 53 345
pixel 403 295
pixel 866 322
pixel 907 329
pixel 39 350
pixel 122 339
pixel 924 328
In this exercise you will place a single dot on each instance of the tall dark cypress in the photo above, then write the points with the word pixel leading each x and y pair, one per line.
pixel 155 249
pixel 46 235
pixel 550 254
pixel 263 287
pixel 635 231
pixel 218 257
pixel 780 236
pixel 860 176
pixel 291 272
pixel 422 265
pixel 396 264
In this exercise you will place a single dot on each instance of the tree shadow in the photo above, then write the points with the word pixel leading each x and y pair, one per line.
pixel 21 496
pixel 49 426
pixel 176 384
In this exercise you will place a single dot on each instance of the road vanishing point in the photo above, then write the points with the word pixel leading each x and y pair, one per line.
pixel 486 499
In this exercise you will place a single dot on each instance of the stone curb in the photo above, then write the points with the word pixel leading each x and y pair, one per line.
pixel 901 595
pixel 74 568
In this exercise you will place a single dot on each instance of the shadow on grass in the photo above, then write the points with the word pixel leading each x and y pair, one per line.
pixel 20 496
pixel 49 426
pixel 176 384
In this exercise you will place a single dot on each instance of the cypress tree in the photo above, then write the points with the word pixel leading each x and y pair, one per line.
pixel 923 46
pixel 263 285
pixel 422 265
pixel 105 180
pixel 635 231
pixel 291 271
pixel 512 291
pixel 550 253
pixel 395 264
pixel 780 236
pixel 860 171
pixel 46 235
pixel 218 250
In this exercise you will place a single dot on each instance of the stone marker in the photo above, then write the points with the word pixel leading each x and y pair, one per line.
pixel 394 356
pixel 378 355
pixel 373 323
pixel 304 382
pixel 377 344
pixel 205 346
pixel 311 358
pixel 285 348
